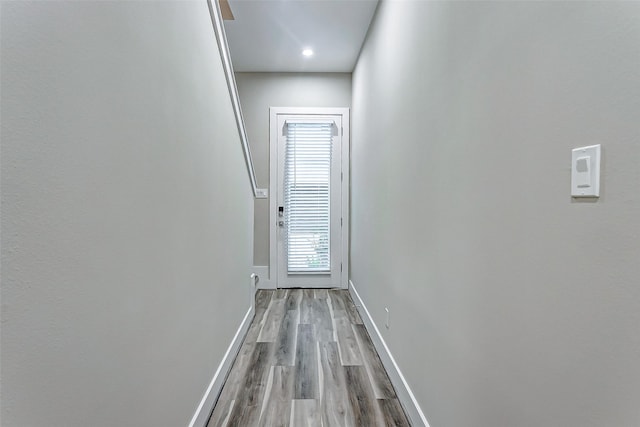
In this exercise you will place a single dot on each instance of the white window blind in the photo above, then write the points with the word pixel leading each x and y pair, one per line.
pixel 307 175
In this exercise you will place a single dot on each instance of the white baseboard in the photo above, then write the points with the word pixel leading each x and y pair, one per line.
pixel 203 412
pixel 263 277
pixel 405 395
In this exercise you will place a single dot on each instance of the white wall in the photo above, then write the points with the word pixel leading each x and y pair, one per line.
pixel 126 213
pixel 511 304
pixel 258 92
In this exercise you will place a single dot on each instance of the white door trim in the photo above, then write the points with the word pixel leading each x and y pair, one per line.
pixel 273 184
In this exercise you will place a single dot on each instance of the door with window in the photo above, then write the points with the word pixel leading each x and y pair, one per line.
pixel 309 161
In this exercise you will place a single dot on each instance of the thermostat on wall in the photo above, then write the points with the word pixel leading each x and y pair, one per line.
pixel 585 171
pixel 262 193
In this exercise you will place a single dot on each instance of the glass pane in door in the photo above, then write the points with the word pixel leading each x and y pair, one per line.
pixel 307 174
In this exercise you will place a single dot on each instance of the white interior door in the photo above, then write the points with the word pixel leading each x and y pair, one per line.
pixel 308 214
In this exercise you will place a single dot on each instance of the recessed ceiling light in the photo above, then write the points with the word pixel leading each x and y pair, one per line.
pixel 307 52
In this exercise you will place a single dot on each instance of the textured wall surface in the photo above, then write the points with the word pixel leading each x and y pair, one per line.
pixel 511 304
pixel 258 92
pixel 126 213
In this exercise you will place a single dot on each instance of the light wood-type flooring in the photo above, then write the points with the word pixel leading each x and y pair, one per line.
pixel 307 360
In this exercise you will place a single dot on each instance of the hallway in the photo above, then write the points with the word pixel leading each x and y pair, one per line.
pixel 307 360
pixel 145 199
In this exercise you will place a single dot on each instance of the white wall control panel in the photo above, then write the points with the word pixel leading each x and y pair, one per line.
pixel 585 171
pixel 262 193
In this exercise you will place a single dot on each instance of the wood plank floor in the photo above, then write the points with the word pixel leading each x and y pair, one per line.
pixel 307 360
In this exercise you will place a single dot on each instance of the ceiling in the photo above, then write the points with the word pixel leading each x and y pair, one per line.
pixel 269 35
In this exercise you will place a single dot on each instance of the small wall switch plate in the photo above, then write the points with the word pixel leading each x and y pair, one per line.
pixel 262 193
pixel 585 171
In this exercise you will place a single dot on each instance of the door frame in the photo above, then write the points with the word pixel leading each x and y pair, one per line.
pixel 273 184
